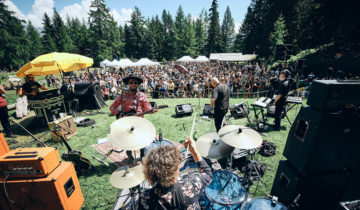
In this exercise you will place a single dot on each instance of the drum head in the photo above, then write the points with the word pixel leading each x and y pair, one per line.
pixel 264 204
pixel 157 144
pixel 225 189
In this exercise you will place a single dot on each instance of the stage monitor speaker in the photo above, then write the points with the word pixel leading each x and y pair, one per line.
pixel 65 126
pixel 239 110
pixel 89 95
pixel 351 190
pixel 59 190
pixel 332 95
pixel 321 191
pixel 207 111
pixel 183 109
pixel 320 142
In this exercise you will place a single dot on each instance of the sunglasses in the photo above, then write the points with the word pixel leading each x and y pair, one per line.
pixel 133 83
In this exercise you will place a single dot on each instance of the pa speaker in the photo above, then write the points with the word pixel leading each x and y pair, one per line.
pixel 89 95
pixel 332 95
pixel 183 109
pixel 320 142
pixel 207 111
pixel 321 191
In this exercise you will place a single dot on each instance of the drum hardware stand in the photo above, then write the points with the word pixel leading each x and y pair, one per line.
pixel 102 160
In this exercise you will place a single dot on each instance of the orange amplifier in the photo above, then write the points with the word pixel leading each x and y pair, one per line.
pixel 59 190
pixel 29 162
pixel 4 147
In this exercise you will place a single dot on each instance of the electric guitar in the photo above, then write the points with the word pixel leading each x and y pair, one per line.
pixel 132 112
pixel 74 156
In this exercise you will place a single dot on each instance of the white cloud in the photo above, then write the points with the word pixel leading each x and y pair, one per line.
pixel 237 27
pixel 80 11
pixel 122 18
pixel 36 13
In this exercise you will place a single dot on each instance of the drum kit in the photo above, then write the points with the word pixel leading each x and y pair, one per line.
pixel 226 191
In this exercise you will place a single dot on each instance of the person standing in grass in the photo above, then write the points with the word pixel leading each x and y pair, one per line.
pixel 4 116
pixel 219 101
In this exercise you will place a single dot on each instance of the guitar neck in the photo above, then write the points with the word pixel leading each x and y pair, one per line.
pixel 63 138
pixel 159 107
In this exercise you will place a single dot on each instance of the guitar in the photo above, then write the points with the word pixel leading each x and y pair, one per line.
pixel 132 112
pixel 74 156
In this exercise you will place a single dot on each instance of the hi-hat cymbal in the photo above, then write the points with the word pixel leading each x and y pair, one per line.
pixel 240 137
pixel 131 133
pixel 123 179
pixel 212 147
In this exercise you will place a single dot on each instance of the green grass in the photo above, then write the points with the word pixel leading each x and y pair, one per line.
pixel 95 185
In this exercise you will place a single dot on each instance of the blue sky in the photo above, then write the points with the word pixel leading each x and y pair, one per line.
pixel 121 9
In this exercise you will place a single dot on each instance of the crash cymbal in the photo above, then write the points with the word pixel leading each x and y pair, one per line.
pixel 131 133
pixel 124 179
pixel 240 137
pixel 212 147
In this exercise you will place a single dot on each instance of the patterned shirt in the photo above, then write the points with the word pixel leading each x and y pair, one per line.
pixel 131 101
pixel 184 195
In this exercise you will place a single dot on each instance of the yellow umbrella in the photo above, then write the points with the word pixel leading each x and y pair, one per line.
pixel 54 63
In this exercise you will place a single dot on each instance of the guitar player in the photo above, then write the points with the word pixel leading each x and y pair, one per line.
pixel 131 102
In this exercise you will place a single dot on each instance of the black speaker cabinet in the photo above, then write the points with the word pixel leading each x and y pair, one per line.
pixel 183 109
pixel 330 95
pixel 89 95
pixel 320 191
pixel 208 110
pixel 320 142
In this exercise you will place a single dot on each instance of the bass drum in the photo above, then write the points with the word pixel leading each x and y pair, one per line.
pixel 263 204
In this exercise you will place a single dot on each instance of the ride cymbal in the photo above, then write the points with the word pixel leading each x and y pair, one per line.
pixel 131 133
pixel 240 137
pixel 211 146
pixel 127 178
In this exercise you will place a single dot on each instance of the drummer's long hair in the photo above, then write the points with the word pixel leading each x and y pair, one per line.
pixel 160 168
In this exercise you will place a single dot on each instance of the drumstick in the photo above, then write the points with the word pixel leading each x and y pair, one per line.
pixel 191 133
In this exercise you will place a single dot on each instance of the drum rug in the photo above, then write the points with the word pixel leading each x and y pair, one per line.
pixel 121 159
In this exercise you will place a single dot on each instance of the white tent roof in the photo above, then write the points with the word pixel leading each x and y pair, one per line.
pixel 105 63
pixel 146 62
pixel 202 58
pixel 232 57
pixel 185 59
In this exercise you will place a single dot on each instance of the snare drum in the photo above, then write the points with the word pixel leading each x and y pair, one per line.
pixel 225 191
pixel 264 204
pixel 157 144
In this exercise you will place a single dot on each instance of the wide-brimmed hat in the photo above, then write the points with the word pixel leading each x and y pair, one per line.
pixel 132 76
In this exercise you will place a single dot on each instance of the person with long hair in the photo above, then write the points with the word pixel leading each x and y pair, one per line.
pixel 161 169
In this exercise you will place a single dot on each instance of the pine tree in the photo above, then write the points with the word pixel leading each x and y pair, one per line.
pixel 200 34
pixel 74 30
pixel 99 33
pixel 279 33
pixel 34 40
pixel 116 45
pixel 169 43
pixel 179 27
pixel 61 37
pixel 135 42
pixel 227 31
pixel 14 51
pixel 47 39
pixel 238 45
pixel 214 44
pixel 190 40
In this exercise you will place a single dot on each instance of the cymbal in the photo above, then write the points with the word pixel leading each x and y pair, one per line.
pixel 124 180
pixel 240 137
pixel 131 133
pixel 211 146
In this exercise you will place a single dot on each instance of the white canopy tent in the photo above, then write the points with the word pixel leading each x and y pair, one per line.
pixel 231 57
pixel 201 58
pixel 125 62
pixel 105 63
pixel 185 59
pixel 146 62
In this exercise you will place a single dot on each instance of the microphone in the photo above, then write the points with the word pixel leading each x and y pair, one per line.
pixel 100 160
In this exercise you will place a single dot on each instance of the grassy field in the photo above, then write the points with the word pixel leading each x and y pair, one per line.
pixel 95 185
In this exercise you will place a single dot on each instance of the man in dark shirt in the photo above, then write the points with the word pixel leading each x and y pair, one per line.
pixel 31 87
pixel 281 97
pixel 219 101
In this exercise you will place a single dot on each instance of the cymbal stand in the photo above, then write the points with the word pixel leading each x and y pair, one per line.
pixel 247 177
